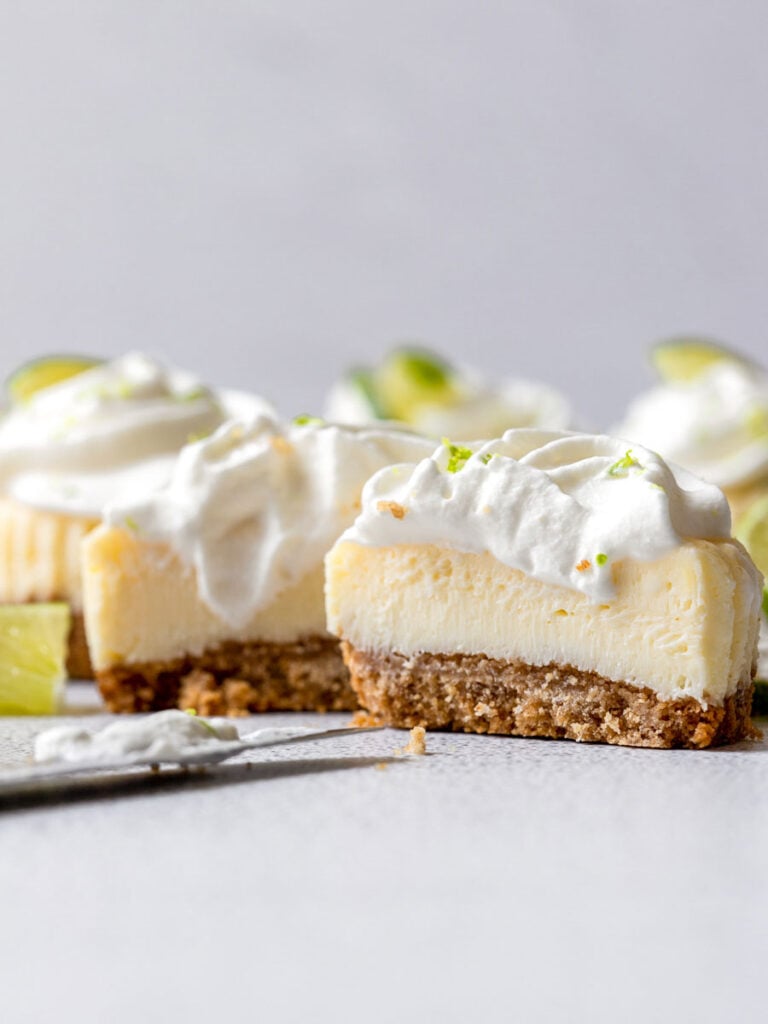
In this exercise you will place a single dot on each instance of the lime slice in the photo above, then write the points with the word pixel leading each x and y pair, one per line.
pixel 33 650
pixel 43 373
pixel 685 359
pixel 411 378
pixel 364 383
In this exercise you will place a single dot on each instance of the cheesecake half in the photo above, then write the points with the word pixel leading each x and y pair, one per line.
pixel 208 593
pixel 548 584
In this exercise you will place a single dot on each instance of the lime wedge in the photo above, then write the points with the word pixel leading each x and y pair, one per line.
pixel 685 359
pixel 411 378
pixel 33 650
pixel 43 373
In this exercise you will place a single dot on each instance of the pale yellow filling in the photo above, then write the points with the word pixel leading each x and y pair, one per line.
pixel 685 625
pixel 142 604
pixel 40 554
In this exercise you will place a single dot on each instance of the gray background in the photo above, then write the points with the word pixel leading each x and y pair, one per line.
pixel 266 190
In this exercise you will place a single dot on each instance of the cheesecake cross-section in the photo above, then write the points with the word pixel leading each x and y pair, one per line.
pixel 551 585
pixel 208 592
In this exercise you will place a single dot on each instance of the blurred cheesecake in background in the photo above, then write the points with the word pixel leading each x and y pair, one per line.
pixel 709 413
pixel 208 592
pixel 80 432
pixel 548 584
pixel 419 388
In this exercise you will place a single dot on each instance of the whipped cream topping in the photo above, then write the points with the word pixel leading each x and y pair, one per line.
pixel 256 506
pixel 561 507
pixel 113 429
pixel 479 411
pixel 715 425
pixel 165 736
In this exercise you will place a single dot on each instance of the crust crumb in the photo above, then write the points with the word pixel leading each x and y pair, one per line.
pixel 417 743
pixel 363 720
pixel 583 565
pixel 397 510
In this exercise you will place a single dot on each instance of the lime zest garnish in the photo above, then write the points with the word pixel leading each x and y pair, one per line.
pixel 191 711
pixel 622 466
pixel 457 455
pixel 601 558
pixel 305 420
pixel 485 459
pixel 765 602
pixel 131 523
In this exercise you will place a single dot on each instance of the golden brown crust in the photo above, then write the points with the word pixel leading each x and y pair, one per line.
pixel 236 679
pixel 78 658
pixel 474 693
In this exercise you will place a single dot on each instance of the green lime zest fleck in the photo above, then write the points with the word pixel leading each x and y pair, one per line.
pixel 209 727
pixel 485 459
pixel 601 558
pixel 307 421
pixel 765 602
pixel 457 456
pixel 622 466
pixel 131 523
pixel 191 711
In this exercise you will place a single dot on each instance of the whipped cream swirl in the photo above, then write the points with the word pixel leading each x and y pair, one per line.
pixel 716 425
pixel 255 507
pixel 561 507
pixel 113 429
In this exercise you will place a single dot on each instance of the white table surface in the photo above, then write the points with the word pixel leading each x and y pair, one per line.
pixel 494 879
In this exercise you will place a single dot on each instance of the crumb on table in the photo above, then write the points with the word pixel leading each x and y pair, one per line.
pixel 417 742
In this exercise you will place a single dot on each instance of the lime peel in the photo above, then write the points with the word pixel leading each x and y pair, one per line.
pixel 684 359
pixel 42 373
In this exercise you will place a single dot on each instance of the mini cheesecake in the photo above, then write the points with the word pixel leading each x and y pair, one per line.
pixel 208 593
pixel 709 413
pixel 78 434
pixel 548 584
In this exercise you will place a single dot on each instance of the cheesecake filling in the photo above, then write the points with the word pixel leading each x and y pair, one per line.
pixel 251 511
pixel 545 547
pixel 114 429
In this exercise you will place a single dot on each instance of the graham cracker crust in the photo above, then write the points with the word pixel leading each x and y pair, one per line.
pixel 78 657
pixel 236 679
pixel 474 693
